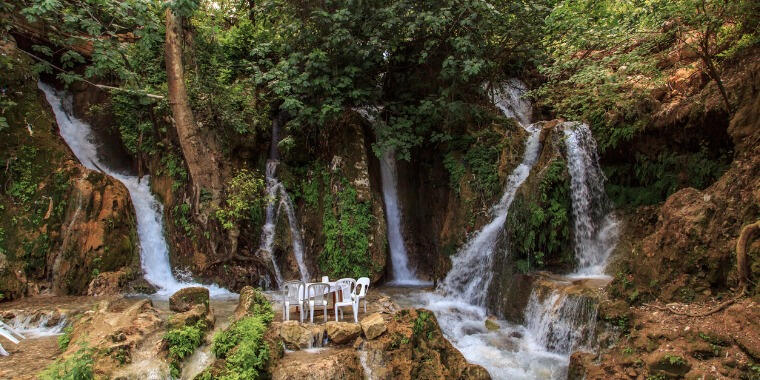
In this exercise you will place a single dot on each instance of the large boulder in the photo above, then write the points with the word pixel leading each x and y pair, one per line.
pixel 296 335
pixel 191 317
pixel 184 299
pixel 330 364
pixel 414 348
pixel 373 325
pixel 342 332
pixel 250 300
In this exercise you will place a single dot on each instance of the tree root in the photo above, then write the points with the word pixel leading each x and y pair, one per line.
pixel 742 243
pixel 671 306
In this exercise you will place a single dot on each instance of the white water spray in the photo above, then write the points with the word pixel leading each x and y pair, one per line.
pixel 279 200
pixel 563 321
pixel 471 268
pixel 154 253
pixel 402 274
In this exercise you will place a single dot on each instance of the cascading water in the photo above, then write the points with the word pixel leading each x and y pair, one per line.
pixel 402 274
pixel 595 227
pixel 511 352
pixel 154 253
pixel 471 272
pixel 278 200
pixel 560 320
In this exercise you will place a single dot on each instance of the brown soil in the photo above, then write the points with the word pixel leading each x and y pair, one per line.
pixel 722 345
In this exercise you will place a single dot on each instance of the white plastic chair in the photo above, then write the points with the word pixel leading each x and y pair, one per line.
pixel 292 295
pixel 317 294
pixel 325 279
pixel 346 286
pixel 362 284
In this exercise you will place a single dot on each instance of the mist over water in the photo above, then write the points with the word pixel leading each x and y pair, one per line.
pixel 154 252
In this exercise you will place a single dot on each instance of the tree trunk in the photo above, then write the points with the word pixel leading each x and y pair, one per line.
pixel 742 244
pixel 713 73
pixel 200 151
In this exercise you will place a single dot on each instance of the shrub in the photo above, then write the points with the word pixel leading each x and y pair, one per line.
pixel 244 348
pixel 75 367
pixel 182 342
pixel 245 199
pixel 65 338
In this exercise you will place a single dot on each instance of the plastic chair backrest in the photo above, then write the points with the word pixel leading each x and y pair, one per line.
pixel 346 285
pixel 317 292
pixel 361 286
pixel 292 290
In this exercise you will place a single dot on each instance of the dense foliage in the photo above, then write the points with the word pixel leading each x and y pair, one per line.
pixel 606 57
pixel 78 366
pixel 182 342
pixel 539 222
pixel 242 345
pixel 346 223
pixel 246 199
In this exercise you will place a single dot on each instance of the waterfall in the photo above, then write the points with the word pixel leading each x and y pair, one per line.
pixel 510 100
pixel 277 201
pixel 595 227
pixel 471 267
pixel 154 252
pixel 402 274
pixel 563 321
pixel 471 272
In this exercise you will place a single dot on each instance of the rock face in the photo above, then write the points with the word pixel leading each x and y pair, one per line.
pixel 342 332
pixel 413 347
pixel 296 335
pixel 186 298
pixel 352 171
pixel 116 331
pixel 373 325
pixel 330 364
pixel 190 317
pixel 71 224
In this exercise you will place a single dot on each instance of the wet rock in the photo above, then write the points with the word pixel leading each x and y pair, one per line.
pixel 192 316
pixel 342 332
pixel 330 364
pixel 400 353
pixel 295 335
pixel 184 299
pixel 108 283
pixel 115 330
pixel 249 299
pixel 373 325
pixel 491 324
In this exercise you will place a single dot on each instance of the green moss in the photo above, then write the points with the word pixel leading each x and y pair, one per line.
pixel 76 367
pixel 243 346
pixel 346 223
pixel 539 222
pixel 182 342
pixel 65 338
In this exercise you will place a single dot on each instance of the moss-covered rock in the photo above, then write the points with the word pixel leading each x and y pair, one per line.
pixel 60 223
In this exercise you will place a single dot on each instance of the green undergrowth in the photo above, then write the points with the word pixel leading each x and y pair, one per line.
pixel 182 342
pixel 346 223
pixel 65 338
pixel 650 180
pixel 242 346
pixel 474 157
pixel 78 366
pixel 539 222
